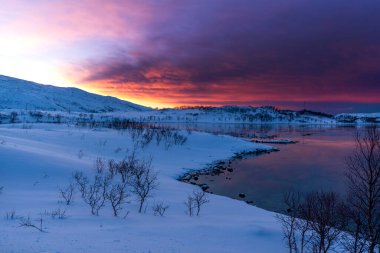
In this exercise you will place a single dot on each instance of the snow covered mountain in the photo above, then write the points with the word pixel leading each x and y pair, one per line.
pixel 20 94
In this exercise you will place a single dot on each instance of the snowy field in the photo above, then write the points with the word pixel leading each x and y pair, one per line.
pixel 36 162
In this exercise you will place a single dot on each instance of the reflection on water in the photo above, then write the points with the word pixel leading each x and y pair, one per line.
pixel 316 162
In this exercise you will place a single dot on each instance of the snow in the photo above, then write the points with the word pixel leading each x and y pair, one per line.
pixel 37 158
pixel 234 114
pixel 358 117
pixel 34 162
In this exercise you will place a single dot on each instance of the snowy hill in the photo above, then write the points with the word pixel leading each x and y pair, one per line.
pixel 25 95
pixel 252 115
pixel 358 117
pixel 236 114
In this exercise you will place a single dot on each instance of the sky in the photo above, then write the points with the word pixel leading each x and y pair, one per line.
pixel 296 54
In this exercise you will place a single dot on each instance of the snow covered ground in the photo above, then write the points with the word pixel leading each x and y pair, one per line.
pixel 35 162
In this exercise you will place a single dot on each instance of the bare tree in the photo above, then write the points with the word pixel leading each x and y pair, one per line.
pixel 303 227
pixel 100 165
pixel 96 193
pixel 159 209
pixel 195 201
pixel 144 181
pixel 81 181
pixel 355 239
pixel 112 167
pixel 327 219
pixel 189 203
pixel 200 198
pixel 67 193
pixel 296 229
pixel 93 193
pixel 363 174
pixel 292 204
pixel 117 195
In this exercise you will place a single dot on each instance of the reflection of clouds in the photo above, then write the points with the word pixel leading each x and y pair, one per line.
pixel 317 164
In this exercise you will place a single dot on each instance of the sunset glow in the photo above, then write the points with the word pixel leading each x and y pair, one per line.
pixel 322 54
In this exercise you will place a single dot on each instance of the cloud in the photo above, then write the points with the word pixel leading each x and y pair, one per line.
pixel 215 51
pixel 299 50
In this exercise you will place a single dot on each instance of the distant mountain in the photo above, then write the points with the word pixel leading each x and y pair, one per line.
pixel 255 115
pixel 236 114
pixel 20 94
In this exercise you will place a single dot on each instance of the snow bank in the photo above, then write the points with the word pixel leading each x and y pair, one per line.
pixel 35 162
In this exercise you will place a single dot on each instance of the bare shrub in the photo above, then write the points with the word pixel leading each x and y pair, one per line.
pixel 93 193
pixel 56 213
pixel 100 165
pixel 159 209
pixel 189 203
pixel 96 192
pixel 127 167
pixel 144 181
pixel 326 214
pixel 355 240
pixel 27 222
pixel 117 195
pixel 195 201
pixel 200 198
pixel 314 223
pixel 67 193
pixel 81 181
pixel 112 167
pixel 292 201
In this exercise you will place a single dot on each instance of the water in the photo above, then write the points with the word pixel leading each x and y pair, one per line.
pixel 315 162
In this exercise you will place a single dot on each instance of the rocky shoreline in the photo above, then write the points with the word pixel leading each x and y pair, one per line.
pixel 221 167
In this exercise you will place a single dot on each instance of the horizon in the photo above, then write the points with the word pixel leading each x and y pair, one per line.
pixel 320 56
pixel 304 107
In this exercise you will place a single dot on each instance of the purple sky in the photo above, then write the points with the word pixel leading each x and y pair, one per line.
pixel 325 53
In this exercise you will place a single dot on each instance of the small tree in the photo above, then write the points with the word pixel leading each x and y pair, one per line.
pixel 67 193
pixel 195 201
pixel 355 239
pixel 159 209
pixel 189 203
pixel 96 193
pixel 93 193
pixel 200 198
pixel 327 219
pixel 144 181
pixel 117 195
pixel 81 181
pixel 292 204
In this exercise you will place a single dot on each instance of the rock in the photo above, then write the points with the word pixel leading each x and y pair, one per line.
pixel 241 195
pixel 205 187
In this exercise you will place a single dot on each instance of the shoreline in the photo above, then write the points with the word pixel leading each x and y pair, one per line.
pixel 220 166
